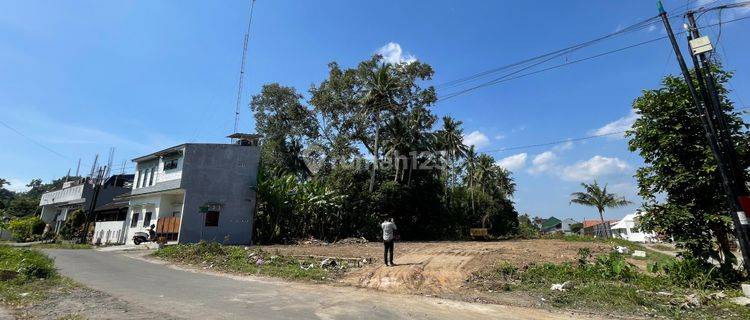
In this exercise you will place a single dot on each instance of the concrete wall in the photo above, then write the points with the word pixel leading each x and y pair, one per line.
pixel 222 174
pixel 64 195
pixel 109 232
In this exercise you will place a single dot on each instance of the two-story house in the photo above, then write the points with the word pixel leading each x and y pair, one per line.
pixel 196 191
pixel 78 194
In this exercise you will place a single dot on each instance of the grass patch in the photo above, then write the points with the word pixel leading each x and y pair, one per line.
pixel 251 261
pixel 610 284
pixel 664 247
pixel 35 276
pixel 651 255
pixel 62 245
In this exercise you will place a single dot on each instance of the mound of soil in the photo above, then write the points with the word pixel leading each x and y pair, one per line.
pixel 439 267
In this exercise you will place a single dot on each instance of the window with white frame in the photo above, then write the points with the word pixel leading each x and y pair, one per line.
pixel 170 164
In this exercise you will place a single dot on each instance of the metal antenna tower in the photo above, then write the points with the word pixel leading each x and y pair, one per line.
pixel 241 83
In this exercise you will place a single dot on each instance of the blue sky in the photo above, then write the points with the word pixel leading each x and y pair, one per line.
pixel 80 77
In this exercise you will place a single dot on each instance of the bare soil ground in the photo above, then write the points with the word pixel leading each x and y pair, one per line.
pixel 438 267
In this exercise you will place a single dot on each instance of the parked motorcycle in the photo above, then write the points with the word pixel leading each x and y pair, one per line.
pixel 141 237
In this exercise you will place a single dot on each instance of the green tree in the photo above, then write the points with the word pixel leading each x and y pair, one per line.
pixel 5 195
pixel 470 164
pixel 679 168
pixel 450 139
pixel 286 125
pixel 598 197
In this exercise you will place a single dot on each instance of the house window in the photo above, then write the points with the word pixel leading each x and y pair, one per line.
pixel 134 221
pixel 147 219
pixel 141 177
pixel 212 218
pixel 170 164
pixel 151 177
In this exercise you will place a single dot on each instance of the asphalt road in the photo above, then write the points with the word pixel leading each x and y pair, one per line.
pixel 197 295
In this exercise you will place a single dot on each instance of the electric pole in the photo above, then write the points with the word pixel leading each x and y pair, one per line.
pixel 89 214
pixel 719 147
pixel 737 190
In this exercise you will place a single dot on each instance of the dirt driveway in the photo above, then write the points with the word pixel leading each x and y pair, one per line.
pixel 438 267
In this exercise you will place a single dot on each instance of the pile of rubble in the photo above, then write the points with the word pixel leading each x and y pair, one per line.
pixel 339 263
pixel 310 242
pixel 359 240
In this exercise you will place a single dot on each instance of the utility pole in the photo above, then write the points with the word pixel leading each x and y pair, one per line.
pixel 97 181
pixel 737 190
pixel 711 134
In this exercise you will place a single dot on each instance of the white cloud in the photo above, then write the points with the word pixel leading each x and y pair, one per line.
pixel 567 145
pixel 596 167
pixel 499 136
pixel 514 162
pixel 651 28
pixel 543 162
pixel 17 185
pixel 392 53
pixel 619 125
pixel 476 139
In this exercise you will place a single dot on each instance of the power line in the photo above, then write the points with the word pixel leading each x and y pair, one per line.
pixel 39 144
pixel 646 23
pixel 552 143
pixel 505 77
pixel 557 53
pixel 556 142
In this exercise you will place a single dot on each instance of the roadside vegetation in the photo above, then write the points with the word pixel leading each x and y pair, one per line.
pixel 27 276
pixel 251 261
pixel 675 288
pixel 62 245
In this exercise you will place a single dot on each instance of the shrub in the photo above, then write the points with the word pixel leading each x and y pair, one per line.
pixel 73 225
pixel 694 273
pixel 29 264
pixel 26 229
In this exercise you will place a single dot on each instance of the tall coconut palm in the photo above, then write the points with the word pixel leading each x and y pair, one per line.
pixel 484 171
pixel 598 197
pixel 471 164
pixel 379 87
pixel 451 139
pixel 397 144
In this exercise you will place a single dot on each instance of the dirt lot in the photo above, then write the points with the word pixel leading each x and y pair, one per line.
pixel 438 267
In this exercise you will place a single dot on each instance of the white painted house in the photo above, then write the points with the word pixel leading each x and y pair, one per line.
pixel 629 229
pixel 196 191
pixel 78 194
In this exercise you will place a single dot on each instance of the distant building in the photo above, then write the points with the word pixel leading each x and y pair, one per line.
pixel 196 191
pixel 629 229
pixel 550 225
pixel 567 225
pixel 555 225
pixel 78 194
pixel 595 228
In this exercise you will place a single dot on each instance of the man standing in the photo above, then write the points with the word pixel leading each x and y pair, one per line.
pixel 388 227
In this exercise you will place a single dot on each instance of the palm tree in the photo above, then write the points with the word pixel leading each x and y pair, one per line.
pixel 595 196
pixel 483 171
pixel 397 144
pixel 380 84
pixel 451 140
pixel 471 164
